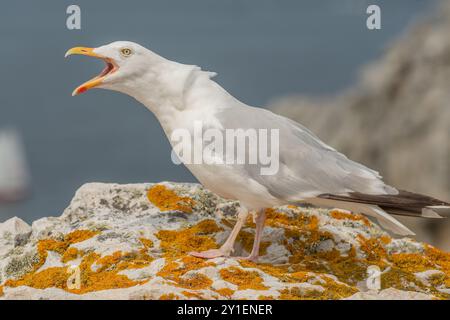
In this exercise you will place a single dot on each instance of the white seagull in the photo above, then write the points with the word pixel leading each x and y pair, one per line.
pixel 309 172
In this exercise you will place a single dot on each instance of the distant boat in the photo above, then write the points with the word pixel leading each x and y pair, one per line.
pixel 14 174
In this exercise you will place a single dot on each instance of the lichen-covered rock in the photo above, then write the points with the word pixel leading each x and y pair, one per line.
pixel 131 242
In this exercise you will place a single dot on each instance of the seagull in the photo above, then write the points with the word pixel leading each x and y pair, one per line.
pixel 309 172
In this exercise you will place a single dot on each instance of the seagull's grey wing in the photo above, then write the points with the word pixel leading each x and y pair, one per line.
pixel 307 166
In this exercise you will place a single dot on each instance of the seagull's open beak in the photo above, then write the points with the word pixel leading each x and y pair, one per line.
pixel 111 67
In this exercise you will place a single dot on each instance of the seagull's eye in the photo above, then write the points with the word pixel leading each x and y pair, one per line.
pixel 126 52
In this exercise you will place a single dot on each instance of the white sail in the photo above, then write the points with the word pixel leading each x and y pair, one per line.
pixel 14 176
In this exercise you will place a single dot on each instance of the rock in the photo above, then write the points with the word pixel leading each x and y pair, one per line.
pixel 390 294
pixel 396 118
pixel 131 242
pixel 13 232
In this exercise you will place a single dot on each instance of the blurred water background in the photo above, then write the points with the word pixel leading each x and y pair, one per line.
pixel 261 49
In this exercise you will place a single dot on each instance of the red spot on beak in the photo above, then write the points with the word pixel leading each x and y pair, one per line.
pixel 82 89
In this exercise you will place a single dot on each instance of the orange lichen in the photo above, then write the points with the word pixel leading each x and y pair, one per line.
pixel 296 293
pixel 1 291
pixel 79 236
pixel 400 279
pixel 175 270
pixel 246 239
pixel 447 282
pixel 196 281
pixel 303 236
pixel 61 247
pixel 226 292
pixel 168 296
pixel 50 277
pixel 275 218
pixel 105 277
pixel 70 254
pixel 124 261
pixel 146 242
pixel 440 258
pixel 266 297
pixel 297 277
pixel 167 200
pixel 385 240
pixel 190 294
pixel 340 215
pixel 331 290
pixel 411 262
pixel 373 248
pixel 196 238
pixel 335 290
pixel 242 278
pixel 90 280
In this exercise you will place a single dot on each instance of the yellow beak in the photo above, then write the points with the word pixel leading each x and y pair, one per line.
pixel 111 67
pixel 83 51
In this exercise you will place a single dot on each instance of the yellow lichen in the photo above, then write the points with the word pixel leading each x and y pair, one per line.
pixel 335 290
pixel 69 254
pixel 373 248
pixel 400 279
pixel 105 277
pixel 168 296
pixel 196 238
pixel 61 247
pixel 246 239
pixel 124 261
pixel 57 277
pixel 190 294
pixel 296 293
pixel 447 282
pixel 340 215
pixel 167 200
pixel 440 258
pixel 331 290
pixel 226 292
pixel 266 297
pixel 242 278
pixel 146 242
pixel 196 281
pixel 385 240
pixel 411 262
pixel 175 270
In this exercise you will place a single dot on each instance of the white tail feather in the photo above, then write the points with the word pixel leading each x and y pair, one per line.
pixel 430 213
pixel 437 211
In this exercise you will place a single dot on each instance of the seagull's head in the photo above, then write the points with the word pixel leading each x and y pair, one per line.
pixel 125 63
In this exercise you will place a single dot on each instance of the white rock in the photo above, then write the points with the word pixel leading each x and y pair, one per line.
pixel 390 294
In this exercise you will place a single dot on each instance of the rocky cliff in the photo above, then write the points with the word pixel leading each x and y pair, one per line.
pixel 131 242
pixel 396 119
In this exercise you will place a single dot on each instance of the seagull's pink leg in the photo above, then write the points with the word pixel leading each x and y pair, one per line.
pixel 227 248
pixel 259 221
